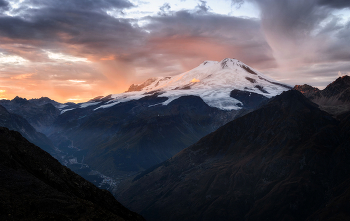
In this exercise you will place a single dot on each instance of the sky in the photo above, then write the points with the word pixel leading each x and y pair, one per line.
pixel 74 50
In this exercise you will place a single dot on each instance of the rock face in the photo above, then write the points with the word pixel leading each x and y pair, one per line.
pixel 308 91
pixel 134 87
pixel 288 160
pixel 35 186
pixel 335 98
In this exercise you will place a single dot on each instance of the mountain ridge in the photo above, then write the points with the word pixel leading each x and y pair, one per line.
pixel 35 186
pixel 280 162
pixel 145 127
pixel 335 98
pixel 18 123
pixel 212 81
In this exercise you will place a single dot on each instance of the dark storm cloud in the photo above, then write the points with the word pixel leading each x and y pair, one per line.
pixel 186 23
pixel 335 3
pixel 56 23
pixel 339 49
pixel 302 31
pixel 80 5
pixel 3 3
pixel 3 6
pixel 85 29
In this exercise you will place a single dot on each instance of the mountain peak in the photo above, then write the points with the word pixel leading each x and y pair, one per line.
pixel 308 91
pixel 229 63
pixel 338 87
pixel 291 97
pixel 344 80
pixel 213 81
pixel 20 100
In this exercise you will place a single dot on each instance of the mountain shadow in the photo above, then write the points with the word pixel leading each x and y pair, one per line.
pixel 18 123
pixel 288 160
pixel 135 135
pixel 40 113
pixel 35 186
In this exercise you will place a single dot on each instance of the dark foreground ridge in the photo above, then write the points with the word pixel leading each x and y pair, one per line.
pixel 35 186
pixel 288 160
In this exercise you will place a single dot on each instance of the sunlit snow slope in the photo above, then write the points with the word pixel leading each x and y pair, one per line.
pixel 212 81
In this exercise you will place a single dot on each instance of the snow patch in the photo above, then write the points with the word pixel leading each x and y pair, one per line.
pixel 84 105
pixel 63 111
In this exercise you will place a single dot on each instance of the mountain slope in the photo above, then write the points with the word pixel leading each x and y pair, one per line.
pixel 284 161
pixel 35 186
pixel 212 81
pixel 133 131
pixel 40 113
pixel 335 98
pixel 132 137
pixel 18 123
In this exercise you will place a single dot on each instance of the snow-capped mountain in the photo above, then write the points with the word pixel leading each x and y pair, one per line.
pixel 212 81
pixel 153 121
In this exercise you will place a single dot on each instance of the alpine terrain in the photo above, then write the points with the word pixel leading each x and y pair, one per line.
pixel 123 134
pixel 288 160
pixel 335 98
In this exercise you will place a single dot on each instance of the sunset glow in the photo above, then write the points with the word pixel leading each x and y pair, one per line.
pixel 194 80
pixel 22 76
pixel 63 50
pixel 76 81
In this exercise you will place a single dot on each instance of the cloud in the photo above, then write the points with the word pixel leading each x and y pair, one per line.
pixel 188 34
pixel 99 44
pixel 3 3
pixel 22 76
pixel 304 32
pixel 164 9
pixel 77 5
pixel 202 7
pixel 335 3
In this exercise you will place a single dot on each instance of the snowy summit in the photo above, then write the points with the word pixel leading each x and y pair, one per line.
pixel 213 81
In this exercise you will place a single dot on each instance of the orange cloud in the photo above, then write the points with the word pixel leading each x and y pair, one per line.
pixel 77 81
pixel 22 76
pixel 108 58
pixel 194 80
pixel 2 94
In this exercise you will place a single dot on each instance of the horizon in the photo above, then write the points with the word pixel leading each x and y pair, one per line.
pixel 73 52
pixel 36 98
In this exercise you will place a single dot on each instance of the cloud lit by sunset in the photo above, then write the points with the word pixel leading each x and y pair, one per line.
pixel 194 80
pixel 2 94
pixel 21 76
pixel 64 49
pixel 77 81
